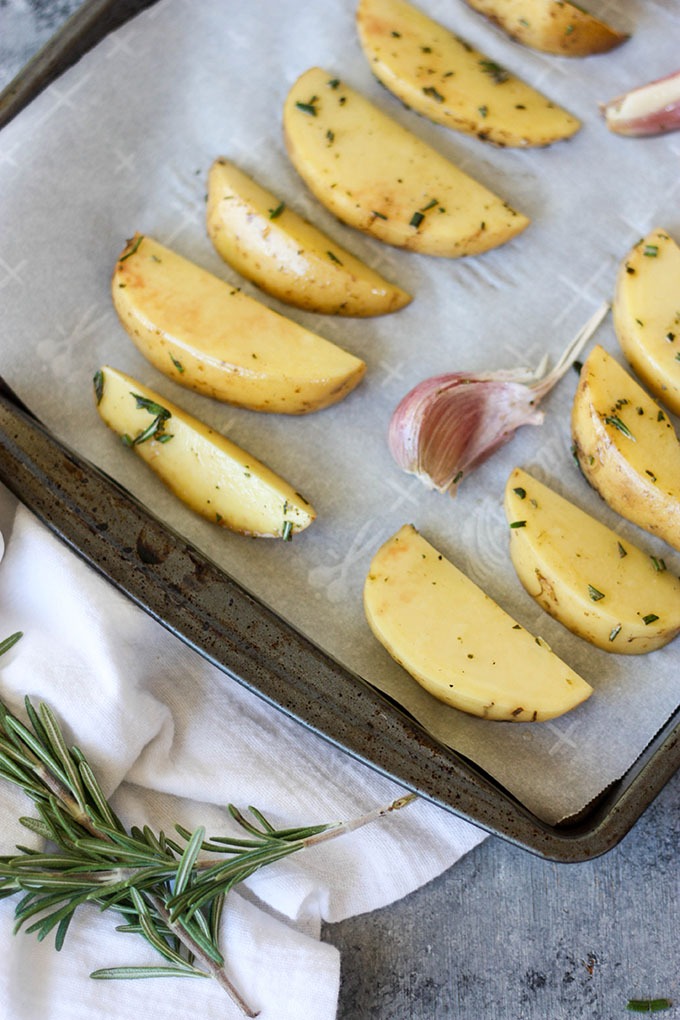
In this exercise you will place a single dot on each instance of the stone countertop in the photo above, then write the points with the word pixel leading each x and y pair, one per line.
pixel 502 935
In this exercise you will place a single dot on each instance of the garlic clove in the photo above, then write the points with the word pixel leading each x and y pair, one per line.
pixel 449 424
pixel 651 109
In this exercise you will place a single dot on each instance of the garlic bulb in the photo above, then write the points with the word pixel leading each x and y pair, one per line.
pixel 448 424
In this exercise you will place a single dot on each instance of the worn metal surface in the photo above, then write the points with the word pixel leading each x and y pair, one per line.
pixel 186 592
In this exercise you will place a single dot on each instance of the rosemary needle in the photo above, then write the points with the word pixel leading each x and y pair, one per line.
pixel 170 891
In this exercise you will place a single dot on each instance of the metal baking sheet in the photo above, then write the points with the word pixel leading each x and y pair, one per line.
pixel 180 587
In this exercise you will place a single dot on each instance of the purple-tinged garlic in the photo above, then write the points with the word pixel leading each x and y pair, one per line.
pixel 449 424
pixel 651 109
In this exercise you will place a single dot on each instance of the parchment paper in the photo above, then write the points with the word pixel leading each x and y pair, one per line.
pixel 123 142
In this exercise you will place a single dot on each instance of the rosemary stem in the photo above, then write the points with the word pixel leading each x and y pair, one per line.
pixel 74 809
pixel 358 823
pixel 215 971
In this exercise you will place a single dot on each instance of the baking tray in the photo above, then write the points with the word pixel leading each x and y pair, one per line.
pixel 194 599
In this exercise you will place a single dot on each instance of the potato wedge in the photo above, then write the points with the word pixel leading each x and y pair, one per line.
pixel 268 243
pixel 455 85
pixel 646 313
pixel 553 26
pixel 380 178
pixel 209 337
pixel 208 472
pixel 457 643
pixel 606 590
pixel 626 447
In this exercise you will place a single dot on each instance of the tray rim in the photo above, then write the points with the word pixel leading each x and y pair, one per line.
pixel 477 798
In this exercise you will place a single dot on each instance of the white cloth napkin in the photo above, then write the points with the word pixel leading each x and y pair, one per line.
pixel 174 740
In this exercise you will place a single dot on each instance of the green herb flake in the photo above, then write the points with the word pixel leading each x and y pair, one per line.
pixel 287 531
pixel 330 136
pixel 519 491
pixel 416 220
pixel 430 205
pixel 333 258
pixel 145 404
pixel 483 111
pixel 178 364
pixel 649 618
pixel 648 1005
pixel 333 83
pixel 651 250
pixel 594 593
pixel 156 429
pixel 614 632
pixel 433 93
pixel 308 108
pixel 518 524
pixel 378 215
pixel 495 71
pixel 134 248
pixel 615 421
pixel 622 551
pixel 275 213
pixel 457 477
pixel 98 383
pixel 658 563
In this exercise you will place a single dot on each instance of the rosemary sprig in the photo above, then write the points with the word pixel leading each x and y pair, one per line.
pixel 170 891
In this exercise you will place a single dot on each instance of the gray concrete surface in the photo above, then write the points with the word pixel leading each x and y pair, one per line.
pixel 502 935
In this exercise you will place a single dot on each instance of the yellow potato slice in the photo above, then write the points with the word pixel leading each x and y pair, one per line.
pixel 457 643
pixel 268 243
pixel 627 447
pixel 208 472
pixel 646 312
pixel 210 337
pixel 442 77
pixel 603 588
pixel 380 178
pixel 553 26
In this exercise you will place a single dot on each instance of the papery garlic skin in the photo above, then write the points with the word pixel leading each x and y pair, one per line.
pixel 651 109
pixel 449 424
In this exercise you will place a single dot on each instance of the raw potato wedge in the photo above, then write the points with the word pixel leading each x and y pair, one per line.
pixel 553 26
pixel 376 176
pixel 627 447
pixel 208 336
pixel 268 243
pixel 457 643
pixel 646 312
pixel 601 587
pixel 454 85
pixel 208 472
